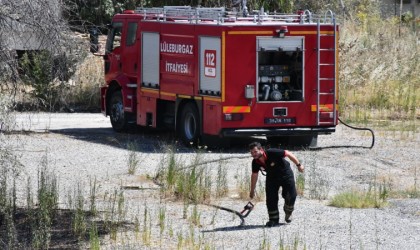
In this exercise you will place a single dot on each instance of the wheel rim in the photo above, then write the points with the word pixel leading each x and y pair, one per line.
pixel 117 111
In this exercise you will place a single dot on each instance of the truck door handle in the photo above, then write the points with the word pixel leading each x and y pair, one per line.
pixel 120 65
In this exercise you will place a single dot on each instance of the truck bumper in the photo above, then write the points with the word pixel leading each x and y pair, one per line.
pixel 277 131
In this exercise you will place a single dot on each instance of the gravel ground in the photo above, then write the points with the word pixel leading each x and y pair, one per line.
pixel 80 147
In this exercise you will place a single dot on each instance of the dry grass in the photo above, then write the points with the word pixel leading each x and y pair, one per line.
pixel 86 82
pixel 379 70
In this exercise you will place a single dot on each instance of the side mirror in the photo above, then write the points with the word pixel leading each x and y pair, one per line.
pixel 94 41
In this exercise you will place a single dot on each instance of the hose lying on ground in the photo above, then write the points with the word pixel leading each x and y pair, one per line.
pixel 357 128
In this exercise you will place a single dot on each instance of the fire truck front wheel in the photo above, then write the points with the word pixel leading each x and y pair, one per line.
pixel 188 128
pixel 117 116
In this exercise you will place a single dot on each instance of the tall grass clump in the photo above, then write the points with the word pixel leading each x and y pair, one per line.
pixel 300 184
pixel 8 239
pixel 133 160
pixel 375 197
pixel 147 227
pixel 10 169
pixel 93 196
pixel 85 83
pixel 243 183
pixel 39 218
pixel 378 68
pixel 191 183
pixel 357 199
pixel 315 181
pixel 44 213
pixel 221 180
pixel 79 222
pixel 94 237
pixel 115 212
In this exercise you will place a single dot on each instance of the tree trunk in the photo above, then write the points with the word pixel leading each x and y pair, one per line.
pixel 413 12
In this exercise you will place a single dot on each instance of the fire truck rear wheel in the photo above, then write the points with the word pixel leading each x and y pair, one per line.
pixel 189 125
pixel 117 116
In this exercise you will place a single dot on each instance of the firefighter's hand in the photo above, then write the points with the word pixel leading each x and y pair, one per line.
pixel 251 195
pixel 301 168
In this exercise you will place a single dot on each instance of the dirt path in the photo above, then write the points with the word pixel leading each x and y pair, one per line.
pixel 80 147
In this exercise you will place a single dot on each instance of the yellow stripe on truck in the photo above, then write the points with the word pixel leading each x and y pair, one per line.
pixel 236 109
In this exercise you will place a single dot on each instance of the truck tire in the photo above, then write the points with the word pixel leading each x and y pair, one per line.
pixel 188 128
pixel 117 116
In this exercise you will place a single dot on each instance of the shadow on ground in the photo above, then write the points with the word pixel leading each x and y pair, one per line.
pixel 238 228
pixel 20 234
pixel 153 141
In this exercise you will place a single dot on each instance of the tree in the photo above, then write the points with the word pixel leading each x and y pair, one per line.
pixel 35 29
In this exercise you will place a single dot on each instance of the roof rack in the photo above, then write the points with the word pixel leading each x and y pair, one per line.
pixel 184 13
pixel 220 15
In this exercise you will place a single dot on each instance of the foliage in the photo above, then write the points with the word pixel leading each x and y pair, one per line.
pixel 374 197
pixel 193 183
pixel 384 76
pixel 51 52
pixel 358 199
pixel 372 82
pixel 133 159
pixel 81 13
pixel 48 203
pixel 45 75
pixel 6 118
pixel 37 72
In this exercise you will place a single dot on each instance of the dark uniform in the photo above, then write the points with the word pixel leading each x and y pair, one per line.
pixel 279 174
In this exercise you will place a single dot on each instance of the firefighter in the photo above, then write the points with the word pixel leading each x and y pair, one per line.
pixel 278 174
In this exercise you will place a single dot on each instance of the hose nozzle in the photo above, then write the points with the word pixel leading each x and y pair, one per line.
pixel 247 209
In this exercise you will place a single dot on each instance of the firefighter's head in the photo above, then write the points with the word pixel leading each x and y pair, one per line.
pixel 256 150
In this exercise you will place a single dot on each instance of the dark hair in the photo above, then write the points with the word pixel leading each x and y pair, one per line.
pixel 254 144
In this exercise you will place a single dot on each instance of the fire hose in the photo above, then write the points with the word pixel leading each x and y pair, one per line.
pixel 242 215
pixel 250 206
pixel 357 128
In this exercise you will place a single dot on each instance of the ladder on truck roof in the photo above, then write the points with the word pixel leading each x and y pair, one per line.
pixel 321 80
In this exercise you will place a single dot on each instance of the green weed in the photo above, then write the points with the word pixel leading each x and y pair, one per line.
pixel 47 204
pixel 359 199
pixel 94 237
pixel 221 181
pixel 79 224
pixel 162 216
pixel 300 184
pixel 92 196
pixel 133 160
pixel 243 183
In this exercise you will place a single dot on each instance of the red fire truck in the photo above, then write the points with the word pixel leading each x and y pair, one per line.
pixel 209 73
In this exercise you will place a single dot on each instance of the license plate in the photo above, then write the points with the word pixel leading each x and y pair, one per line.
pixel 279 120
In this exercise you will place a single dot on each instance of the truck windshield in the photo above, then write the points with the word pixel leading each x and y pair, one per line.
pixel 114 37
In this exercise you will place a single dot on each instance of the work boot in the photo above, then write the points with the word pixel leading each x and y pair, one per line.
pixel 288 210
pixel 272 223
pixel 288 217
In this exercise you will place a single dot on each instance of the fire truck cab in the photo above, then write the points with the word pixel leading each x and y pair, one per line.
pixel 207 72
